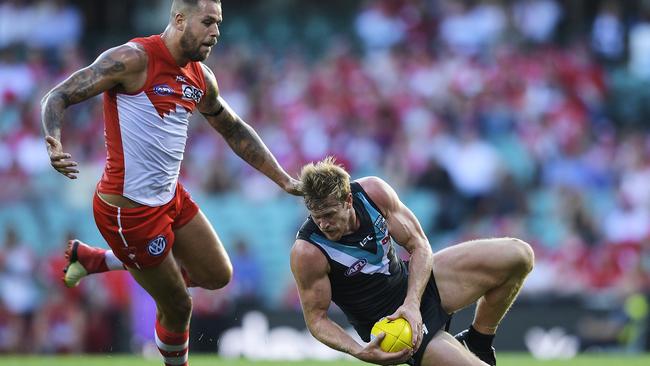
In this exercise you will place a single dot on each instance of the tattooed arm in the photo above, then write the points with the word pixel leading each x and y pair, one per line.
pixel 241 137
pixel 123 67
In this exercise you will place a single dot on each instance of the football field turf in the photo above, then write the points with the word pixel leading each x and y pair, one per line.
pixel 203 360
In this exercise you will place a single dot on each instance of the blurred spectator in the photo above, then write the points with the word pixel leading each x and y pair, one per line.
pixel 473 164
pixel 378 25
pixel 19 291
pixel 639 40
pixel 627 222
pixel 608 32
pixel 247 274
pixel 40 23
pixel 470 26
pixel 17 83
pixel 12 331
pixel 59 325
pixel 537 19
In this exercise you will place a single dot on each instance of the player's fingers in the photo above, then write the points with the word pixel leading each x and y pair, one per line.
pixel 55 156
pixel 397 314
pixel 52 141
pixel 68 171
pixel 62 163
pixel 418 341
pixel 378 338
pixel 401 356
pixel 417 334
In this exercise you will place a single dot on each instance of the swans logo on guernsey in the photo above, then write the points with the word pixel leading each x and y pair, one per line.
pixel 356 267
pixel 163 90
pixel 192 93
pixel 157 246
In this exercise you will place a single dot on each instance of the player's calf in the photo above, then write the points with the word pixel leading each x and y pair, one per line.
pixel 172 328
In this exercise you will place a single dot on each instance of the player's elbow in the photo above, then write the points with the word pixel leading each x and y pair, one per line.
pixel 44 99
pixel 313 322
pixel 54 96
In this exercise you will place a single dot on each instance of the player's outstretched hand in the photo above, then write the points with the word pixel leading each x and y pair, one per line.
pixel 412 315
pixel 374 354
pixel 60 160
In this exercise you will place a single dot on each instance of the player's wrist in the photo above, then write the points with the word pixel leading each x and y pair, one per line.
pixel 356 351
pixel 412 301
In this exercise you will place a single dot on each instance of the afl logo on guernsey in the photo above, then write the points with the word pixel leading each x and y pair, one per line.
pixel 356 267
pixel 163 90
pixel 157 246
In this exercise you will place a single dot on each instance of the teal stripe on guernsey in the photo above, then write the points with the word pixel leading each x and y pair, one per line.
pixel 358 253
pixel 371 211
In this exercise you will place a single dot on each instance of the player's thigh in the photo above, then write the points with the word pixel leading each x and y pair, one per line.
pixel 165 284
pixel 199 250
pixel 445 350
pixel 464 272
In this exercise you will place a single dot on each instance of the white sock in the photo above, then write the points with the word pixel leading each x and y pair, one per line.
pixel 112 262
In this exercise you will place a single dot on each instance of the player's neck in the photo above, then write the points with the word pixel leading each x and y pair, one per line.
pixel 354 223
pixel 169 38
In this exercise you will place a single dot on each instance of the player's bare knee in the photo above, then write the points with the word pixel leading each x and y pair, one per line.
pixel 523 257
pixel 219 279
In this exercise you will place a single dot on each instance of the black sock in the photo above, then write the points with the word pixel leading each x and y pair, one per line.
pixel 479 340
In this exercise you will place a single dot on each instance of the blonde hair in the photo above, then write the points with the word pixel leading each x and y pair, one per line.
pixel 323 180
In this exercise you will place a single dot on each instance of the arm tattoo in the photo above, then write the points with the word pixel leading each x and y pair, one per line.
pixel 245 142
pixel 79 87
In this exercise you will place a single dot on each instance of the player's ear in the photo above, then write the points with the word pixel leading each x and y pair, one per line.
pixel 348 199
pixel 179 21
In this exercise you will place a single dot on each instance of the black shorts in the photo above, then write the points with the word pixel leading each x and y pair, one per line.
pixel 434 318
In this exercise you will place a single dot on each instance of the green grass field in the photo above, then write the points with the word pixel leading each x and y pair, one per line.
pixel 203 360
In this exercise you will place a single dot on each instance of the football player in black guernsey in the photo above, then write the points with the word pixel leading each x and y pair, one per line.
pixel 344 252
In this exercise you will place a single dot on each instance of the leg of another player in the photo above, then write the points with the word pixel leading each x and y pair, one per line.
pixel 443 349
pixel 166 286
pixel 199 251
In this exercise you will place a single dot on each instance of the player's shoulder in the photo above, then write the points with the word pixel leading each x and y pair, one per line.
pixel 307 256
pixel 207 70
pixel 131 55
pixel 210 79
pixel 379 191
pixel 371 183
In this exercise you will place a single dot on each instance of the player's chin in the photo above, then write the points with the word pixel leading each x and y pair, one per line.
pixel 333 236
pixel 200 56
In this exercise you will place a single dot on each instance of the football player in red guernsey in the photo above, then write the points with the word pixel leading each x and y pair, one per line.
pixel 155 230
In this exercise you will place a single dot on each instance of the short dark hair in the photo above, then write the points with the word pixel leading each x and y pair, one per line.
pixel 179 5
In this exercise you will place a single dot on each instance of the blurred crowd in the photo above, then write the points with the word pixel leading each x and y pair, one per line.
pixel 513 120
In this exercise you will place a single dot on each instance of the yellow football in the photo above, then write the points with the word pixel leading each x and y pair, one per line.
pixel 398 334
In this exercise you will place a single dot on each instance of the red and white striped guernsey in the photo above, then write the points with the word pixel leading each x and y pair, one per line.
pixel 146 131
